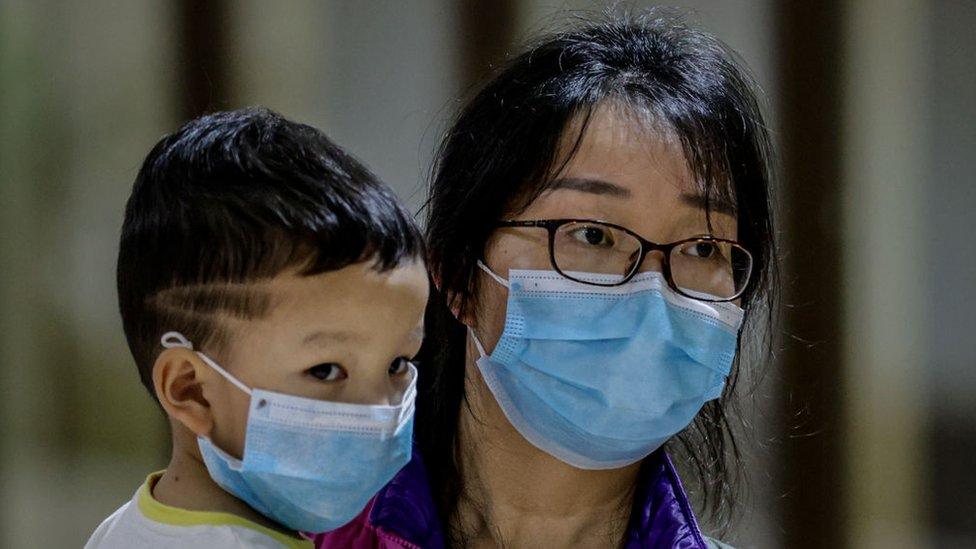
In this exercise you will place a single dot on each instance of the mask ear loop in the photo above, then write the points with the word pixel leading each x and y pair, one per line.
pixel 409 397
pixel 503 282
pixel 492 274
pixel 477 343
pixel 172 340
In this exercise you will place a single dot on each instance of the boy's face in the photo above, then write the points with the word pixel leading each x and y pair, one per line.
pixel 343 336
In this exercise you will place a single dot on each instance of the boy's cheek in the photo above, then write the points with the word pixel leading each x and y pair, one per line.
pixel 230 423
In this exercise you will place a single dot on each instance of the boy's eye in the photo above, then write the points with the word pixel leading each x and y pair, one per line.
pixel 399 366
pixel 327 372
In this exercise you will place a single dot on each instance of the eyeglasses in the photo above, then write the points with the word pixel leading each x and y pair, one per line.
pixel 702 268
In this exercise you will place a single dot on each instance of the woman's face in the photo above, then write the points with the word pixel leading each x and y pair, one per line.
pixel 623 173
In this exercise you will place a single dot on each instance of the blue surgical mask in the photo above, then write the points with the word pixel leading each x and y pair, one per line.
pixel 601 377
pixel 310 465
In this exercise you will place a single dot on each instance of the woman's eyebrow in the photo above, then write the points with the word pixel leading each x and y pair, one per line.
pixel 718 204
pixel 593 186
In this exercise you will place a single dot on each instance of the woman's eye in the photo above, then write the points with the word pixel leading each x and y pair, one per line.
pixel 594 236
pixel 327 372
pixel 703 250
pixel 399 366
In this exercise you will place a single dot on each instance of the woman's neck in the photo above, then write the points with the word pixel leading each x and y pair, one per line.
pixel 514 494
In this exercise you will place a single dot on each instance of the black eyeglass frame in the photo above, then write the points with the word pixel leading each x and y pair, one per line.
pixel 647 246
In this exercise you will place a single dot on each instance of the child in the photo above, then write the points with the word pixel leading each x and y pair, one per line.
pixel 272 293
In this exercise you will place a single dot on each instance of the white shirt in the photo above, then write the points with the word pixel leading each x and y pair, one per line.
pixel 146 523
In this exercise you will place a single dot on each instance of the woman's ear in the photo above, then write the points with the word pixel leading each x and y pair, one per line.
pixel 179 389
pixel 460 308
pixel 454 305
pixel 452 300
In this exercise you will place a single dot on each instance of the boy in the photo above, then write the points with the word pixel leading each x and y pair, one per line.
pixel 272 293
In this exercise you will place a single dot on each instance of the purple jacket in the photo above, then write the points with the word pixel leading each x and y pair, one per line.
pixel 403 514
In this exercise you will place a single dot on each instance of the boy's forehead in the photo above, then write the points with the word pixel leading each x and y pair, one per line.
pixel 340 284
pixel 347 291
pixel 342 306
pixel 293 297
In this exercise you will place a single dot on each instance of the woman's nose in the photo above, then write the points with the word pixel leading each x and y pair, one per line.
pixel 653 261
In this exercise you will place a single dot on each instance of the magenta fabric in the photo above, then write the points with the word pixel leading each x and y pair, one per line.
pixel 403 514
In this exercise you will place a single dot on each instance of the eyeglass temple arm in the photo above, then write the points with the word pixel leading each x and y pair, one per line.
pixel 524 223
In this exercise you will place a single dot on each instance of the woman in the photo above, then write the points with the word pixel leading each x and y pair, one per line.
pixel 599 229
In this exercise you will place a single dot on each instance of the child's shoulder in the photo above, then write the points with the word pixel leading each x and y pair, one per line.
pixel 145 522
pixel 108 529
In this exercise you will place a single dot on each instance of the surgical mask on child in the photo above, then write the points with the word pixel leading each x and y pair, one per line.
pixel 310 465
pixel 601 377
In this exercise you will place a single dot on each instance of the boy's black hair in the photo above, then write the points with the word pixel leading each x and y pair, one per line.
pixel 235 198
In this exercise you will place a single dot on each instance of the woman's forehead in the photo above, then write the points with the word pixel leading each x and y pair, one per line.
pixel 618 166
pixel 634 152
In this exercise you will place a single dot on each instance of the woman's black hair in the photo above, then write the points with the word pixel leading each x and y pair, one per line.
pixel 501 153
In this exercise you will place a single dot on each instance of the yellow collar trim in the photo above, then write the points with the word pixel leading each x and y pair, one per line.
pixel 160 512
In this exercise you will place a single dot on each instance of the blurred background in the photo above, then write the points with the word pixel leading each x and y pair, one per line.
pixel 862 431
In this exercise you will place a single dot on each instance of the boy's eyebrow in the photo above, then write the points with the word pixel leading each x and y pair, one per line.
pixel 326 336
pixel 321 337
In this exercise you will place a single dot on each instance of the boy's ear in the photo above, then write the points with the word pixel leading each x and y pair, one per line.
pixel 179 389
